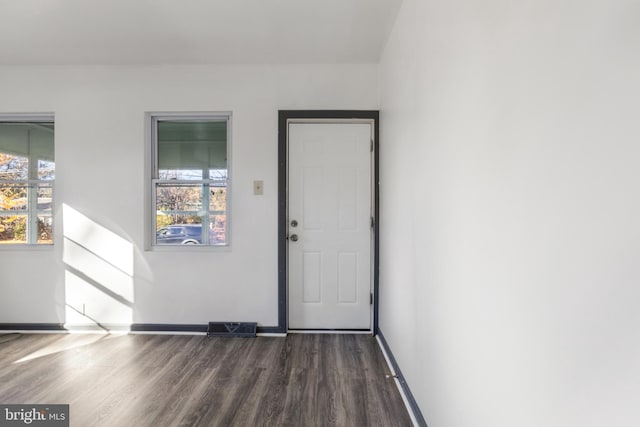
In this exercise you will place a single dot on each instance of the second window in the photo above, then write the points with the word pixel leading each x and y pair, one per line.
pixel 191 179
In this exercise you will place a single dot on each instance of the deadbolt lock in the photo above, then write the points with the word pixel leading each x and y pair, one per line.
pixel 294 223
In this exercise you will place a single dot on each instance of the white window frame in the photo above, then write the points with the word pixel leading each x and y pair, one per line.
pixel 152 173
pixel 32 183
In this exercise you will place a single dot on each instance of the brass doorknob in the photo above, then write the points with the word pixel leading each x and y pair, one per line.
pixel 294 237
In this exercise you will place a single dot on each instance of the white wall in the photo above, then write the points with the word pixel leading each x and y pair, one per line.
pixel 510 223
pixel 100 158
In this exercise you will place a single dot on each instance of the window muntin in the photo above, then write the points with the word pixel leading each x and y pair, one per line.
pixel 27 174
pixel 190 180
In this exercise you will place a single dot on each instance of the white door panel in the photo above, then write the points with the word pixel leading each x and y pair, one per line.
pixel 330 199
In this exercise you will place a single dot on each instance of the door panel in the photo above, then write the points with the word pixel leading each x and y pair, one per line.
pixel 329 198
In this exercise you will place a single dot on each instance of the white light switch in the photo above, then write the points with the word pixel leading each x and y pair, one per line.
pixel 258 188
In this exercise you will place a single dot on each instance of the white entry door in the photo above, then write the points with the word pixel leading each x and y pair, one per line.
pixel 329 220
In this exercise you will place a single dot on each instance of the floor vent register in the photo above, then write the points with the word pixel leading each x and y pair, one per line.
pixel 232 329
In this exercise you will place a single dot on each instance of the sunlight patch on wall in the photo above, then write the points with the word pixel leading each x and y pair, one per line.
pixel 98 275
pixel 96 239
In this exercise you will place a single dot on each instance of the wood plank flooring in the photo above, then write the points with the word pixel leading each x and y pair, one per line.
pixel 177 380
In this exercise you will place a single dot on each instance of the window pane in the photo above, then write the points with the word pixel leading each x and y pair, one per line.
pixel 178 214
pixel 218 228
pixel 45 197
pixel 191 148
pixel 218 199
pixel 186 174
pixel 13 229
pixel 179 199
pixel 187 230
pixel 46 170
pixel 45 229
pixel 164 220
pixel 13 168
pixel 218 174
pixel 13 197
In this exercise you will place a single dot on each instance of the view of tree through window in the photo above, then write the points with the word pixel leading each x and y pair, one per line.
pixel 27 172
pixel 191 182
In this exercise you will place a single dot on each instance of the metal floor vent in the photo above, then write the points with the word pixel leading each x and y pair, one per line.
pixel 232 329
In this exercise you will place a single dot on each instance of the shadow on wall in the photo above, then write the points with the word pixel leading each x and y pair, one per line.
pixel 98 275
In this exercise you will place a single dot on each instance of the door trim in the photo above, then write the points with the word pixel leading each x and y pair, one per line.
pixel 283 118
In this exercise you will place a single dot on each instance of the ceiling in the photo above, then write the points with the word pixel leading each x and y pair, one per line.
pixel 141 32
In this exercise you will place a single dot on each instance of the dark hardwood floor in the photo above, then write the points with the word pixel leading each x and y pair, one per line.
pixel 173 380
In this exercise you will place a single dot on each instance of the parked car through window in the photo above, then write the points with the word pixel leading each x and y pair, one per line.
pixel 188 234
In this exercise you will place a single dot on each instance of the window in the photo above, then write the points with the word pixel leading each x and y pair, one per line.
pixel 190 179
pixel 27 173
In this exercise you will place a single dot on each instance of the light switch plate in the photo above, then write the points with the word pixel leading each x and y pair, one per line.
pixel 258 188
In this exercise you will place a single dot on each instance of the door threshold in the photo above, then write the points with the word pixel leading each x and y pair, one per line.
pixel 330 331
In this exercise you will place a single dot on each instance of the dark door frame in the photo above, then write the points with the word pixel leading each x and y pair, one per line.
pixel 283 118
